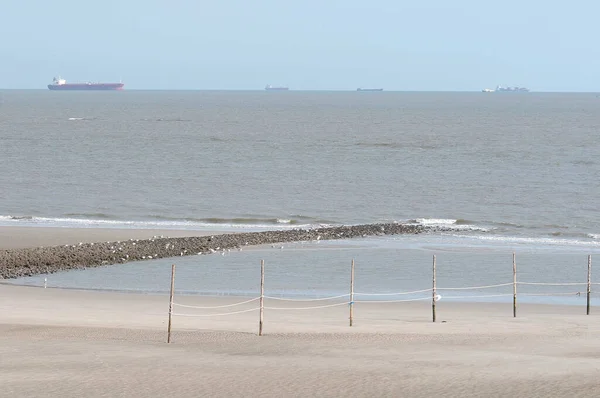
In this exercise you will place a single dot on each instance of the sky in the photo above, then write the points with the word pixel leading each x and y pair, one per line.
pixel 431 45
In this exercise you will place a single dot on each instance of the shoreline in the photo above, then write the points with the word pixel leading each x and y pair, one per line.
pixel 77 307
pixel 28 261
pixel 200 295
pixel 27 237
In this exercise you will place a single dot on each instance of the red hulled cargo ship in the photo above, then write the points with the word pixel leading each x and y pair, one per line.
pixel 61 84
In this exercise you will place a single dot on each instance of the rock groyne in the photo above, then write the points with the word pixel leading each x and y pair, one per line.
pixel 45 260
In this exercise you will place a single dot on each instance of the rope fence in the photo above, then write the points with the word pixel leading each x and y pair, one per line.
pixel 431 293
pixel 315 299
pixel 223 314
pixel 218 306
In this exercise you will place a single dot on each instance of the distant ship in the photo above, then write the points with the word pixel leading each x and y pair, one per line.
pixel 61 84
pixel 506 89
pixel 268 87
pixel 369 89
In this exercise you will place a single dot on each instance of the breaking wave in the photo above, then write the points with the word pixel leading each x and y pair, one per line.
pixel 102 220
pixel 449 224
pixel 523 240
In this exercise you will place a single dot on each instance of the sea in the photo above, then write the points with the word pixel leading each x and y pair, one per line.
pixel 504 173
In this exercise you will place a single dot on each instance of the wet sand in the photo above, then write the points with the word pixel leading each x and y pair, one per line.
pixel 24 237
pixel 97 344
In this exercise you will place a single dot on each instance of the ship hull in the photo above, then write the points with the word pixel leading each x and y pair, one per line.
pixel 369 89
pixel 86 87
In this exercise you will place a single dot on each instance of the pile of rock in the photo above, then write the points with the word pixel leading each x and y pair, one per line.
pixel 27 262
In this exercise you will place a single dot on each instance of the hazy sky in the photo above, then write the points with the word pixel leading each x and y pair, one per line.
pixel 310 44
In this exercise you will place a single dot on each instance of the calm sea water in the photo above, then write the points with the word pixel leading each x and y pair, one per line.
pixel 508 171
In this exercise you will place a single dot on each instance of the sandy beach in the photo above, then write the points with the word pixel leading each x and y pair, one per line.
pixel 97 344
pixel 74 343
pixel 22 237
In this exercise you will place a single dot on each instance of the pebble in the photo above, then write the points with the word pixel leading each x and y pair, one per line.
pixel 15 263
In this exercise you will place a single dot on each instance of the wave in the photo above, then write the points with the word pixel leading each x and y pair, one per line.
pixel 449 224
pixel 543 241
pixel 460 228
pixel 94 215
pixel 166 120
pixel 294 220
pixel 510 233
pixel 489 225
pixel 395 145
pixel 270 221
pixel 462 221
pixel 20 217
pixel 434 221
pixel 77 119
pixel 102 220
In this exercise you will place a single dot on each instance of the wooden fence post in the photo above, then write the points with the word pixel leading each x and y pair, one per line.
pixel 514 286
pixel 433 292
pixel 352 292
pixel 589 282
pixel 262 296
pixel 171 302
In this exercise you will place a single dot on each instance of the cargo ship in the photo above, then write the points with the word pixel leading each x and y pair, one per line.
pixel 61 84
pixel 268 87
pixel 500 89
pixel 369 89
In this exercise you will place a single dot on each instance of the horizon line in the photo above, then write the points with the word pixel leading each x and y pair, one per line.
pixel 313 90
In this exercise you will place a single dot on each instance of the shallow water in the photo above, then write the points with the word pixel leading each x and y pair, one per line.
pixel 382 266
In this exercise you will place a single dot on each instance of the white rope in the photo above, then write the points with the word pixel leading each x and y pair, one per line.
pixel 553 294
pixel 306 308
pixel 481 296
pixel 392 294
pixel 473 287
pixel 552 283
pixel 223 314
pixel 218 306
pixel 391 301
pixel 315 299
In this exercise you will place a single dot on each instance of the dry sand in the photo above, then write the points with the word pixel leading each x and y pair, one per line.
pixel 72 343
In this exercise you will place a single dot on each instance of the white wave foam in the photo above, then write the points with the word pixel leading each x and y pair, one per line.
pixel 530 240
pixel 147 224
pixel 435 221
pixel 283 221
pixel 594 236
pixel 447 223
